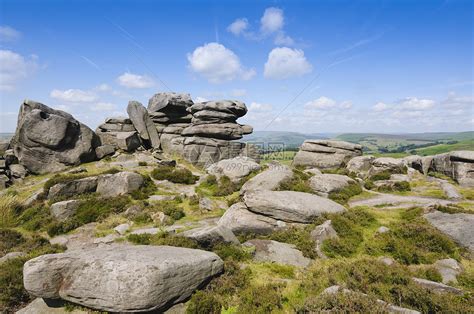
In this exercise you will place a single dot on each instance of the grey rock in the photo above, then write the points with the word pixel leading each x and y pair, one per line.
pixel 390 164
pixel 437 286
pixel 142 122
pixel 117 127
pixel 65 209
pixel 458 165
pixel 290 206
pixel 212 115
pixel 161 198
pixel 3 164
pixel 414 161
pixel 104 150
pixel 165 100
pixel 203 151
pixel 18 171
pixel 48 140
pixel 241 221
pixel 4 146
pixel 323 232
pixel 111 185
pixel 73 188
pixel 235 168
pixel 325 154
pixel 127 278
pixel 146 231
pixel 277 252
pixel 269 179
pixel 11 255
pixel 383 229
pixel 122 228
pixel 236 108
pixel 133 210
pixel 4 181
pixel 225 131
pixel 210 236
pixel 457 226
pixel 449 269
pixel 387 260
pixel 360 165
pixel 312 171
pixel 325 183
pixel 118 120
pixel 205 204
pixel 10 157
pixel 127 141
pixel 246 129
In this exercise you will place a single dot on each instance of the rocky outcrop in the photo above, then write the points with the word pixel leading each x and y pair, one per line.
pixel 235 169
pixel 323 184
pixel 111 185
pixel 143 124
pixel 119 133
pixel 269 179
pixel 458 165
pixel 73 188
pixel 326 154
pixel 387 164
pixel 210 236
pixel 277 252
pixel 49 140
pixel 121 278
pixel 360 165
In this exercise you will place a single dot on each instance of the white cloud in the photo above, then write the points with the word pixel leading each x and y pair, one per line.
pixel 73 95
pixel 413 103
pixel 283 40
pixel 238 27
pixel 200 99
pixel 238 92
pixel 14 68
pixel 272 20
pixel 130 80
pixel 103 88
pixel 285 62
pixel 257 107
pixel 454 100
pixel 321 103
pixel 347 104
pixel 103 106
pixel 217 63
pixel 380 106
pixel 8 33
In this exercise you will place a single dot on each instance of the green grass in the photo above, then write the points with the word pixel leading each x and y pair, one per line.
pixel 343 195
pixel 173 174
pixel 298 182
pixel 467 144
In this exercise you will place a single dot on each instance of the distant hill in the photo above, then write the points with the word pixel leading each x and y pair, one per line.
pixel 6 136
pixel 290 139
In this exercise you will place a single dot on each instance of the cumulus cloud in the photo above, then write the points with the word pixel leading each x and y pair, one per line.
pixel 8 33
pixel 285 62
pixel 321 103
pixel 380 106
pixel 130 80
pixel 283 40
pixel 272 20
pixel 103 106
pixel 73 95
pixel 414 103
pixel 258 107
pixel 217 64
pixel 238 27
pixel 15 68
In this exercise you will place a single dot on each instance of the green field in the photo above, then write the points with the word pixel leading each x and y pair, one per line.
pixel 444 148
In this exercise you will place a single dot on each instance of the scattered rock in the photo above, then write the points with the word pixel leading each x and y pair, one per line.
pixel 449 269
pixel 360 165
pixel 290 206
pixel 122 228
pixel 210 236
pixel 383 229
pixel 323 232
pixel 73 188
pixel 11 255
pixel 104 150
pixel 205 204
pixel 111 185
pixel 386 260
pixel 326 154
pixel 436 286
pixel 457 226
pixel 269 179
pixel 133 210
pixel 144 125
pixel 325 183
pixel 65 209
pixel 174 101
pixel 18 171
pixel 127 278
pixel 277 252
pixel 48 140
pixel 235 168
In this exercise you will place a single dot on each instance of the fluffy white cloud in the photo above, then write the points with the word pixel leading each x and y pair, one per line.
pixel 321 103
pixel 285 62
pixel 8 33
pixel 272 20
pixel 14 68
pixel 283 40
pixel 413 103
pixel 257 107
pixel 103 106
pixel 73 95
pixel 380 106
pixel 347 104
pixel 130 80
pixel 217 64
pixel 238 26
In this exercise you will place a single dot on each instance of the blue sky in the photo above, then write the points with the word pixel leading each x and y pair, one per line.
pixel 305 66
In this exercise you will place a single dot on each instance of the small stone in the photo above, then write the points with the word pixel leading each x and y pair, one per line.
pixel 205 204
pixel 449 269
pixel 383 229
pixel 209 236
pixel 122 229
pixel 121 183
pixel 277 252
pixel 65 209
pixel 160 218
pixel 386 260
pixel 323 232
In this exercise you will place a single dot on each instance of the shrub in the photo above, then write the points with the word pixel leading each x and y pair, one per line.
pixel 451 209
pixel 222 187
pixel 148 188
pixel 203 302
pixel 143 239
pixel 142 218
pixel 34 218
pixel 232 252
pixel 142 163
pixel 170 208
pixel 162 238
pixel 261 299
pixel 342 303
pixel 281 270
pixel 298 182
pixel 9 239
pixel 300 237
pixel 369 184
pixel 343 195
pixel 175 175
pixel 10 207
pixel 384 175
pixel 402 186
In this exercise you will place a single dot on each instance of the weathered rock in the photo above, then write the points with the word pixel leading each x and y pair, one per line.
pixel 122 278
pixel 161 101
pixel 325 183
pixel 235 168
pixel 48 140
pixel 18 171
pixel 117 127
pixel 161 218
pixel 386 260
pixel 73 188
pixel 127 141
pixel 290 206
pixel 241 221
pixel 104 150
pixel 118 120
pixel 236 108
pixel 277 252
pixel 325 154
pixel 11 255
pixel 224 131
pixel 457 226
pixel 65 209
pixel 111 185
pixel 449 269
pixel 437 286
pixel 144 125
pixel 458 165
pixel 414 161
pixel 205 151
pixel 122 228
pixel 323 232
pixel 270 179
pixel 210 236
pixel 390 164
pixel 205 204
pixel 360 165
pixel 4 146
pixel 10 157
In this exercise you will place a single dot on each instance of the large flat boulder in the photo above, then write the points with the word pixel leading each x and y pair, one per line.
pixel 233 107
pixel 211 235
pixel 111 185
pixel 224 131
pixel 175 101
pixel 383 164
pixel 360 165
pixel 121 278
pixel 290 206
pixel 458 165
pixel 49 140
pixel 326 154
pixel 269 179
pixel 277 252
pixel 73 188
pixel 234 168
pixel 457 226
pixel 325 183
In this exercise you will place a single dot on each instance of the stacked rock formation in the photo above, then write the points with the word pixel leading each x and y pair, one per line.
pixel 144 125
pixel 120 133
pixel 458 165
pixel 326 154
pixel 48 140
